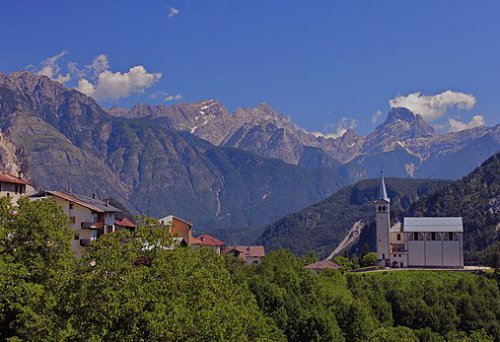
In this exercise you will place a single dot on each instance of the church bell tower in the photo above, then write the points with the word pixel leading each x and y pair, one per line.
pixel 383 221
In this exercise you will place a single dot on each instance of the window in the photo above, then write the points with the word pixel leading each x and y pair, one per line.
pixel 433 236
pixel 394 255
pixel 399 255
pixel 415 236
pixel 71 205
pixel 384 208
pixel 16 188
pixel 450 236
pixel 72 220
pixel 76 236
pixel 398 237
pixel 379 208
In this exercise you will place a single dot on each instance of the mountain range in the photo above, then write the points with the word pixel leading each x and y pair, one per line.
pixel 230 173
pixel 405 139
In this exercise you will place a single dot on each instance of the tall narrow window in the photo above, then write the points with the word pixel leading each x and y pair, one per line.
pixel 415 236
pixel 450 236
pixel 433 236
pixel 399 237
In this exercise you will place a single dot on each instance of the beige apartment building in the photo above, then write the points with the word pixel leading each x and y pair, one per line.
pixel 89 217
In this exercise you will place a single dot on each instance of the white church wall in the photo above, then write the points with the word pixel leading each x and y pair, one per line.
pixel 416 253
pixel 434 253
pixel 451 254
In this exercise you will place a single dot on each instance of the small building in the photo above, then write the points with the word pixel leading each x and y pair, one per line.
pixel 89 217
pixel 179 228
pixel 208 241
pixel 249 254
pixel 323 265
pixel 14 187
pixel 124 223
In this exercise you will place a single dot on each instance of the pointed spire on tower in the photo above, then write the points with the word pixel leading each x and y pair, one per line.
pixel 382 190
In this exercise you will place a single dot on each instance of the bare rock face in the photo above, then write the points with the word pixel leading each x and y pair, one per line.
pixel 400 128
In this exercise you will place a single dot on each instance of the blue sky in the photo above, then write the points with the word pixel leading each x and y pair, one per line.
pixel 317 61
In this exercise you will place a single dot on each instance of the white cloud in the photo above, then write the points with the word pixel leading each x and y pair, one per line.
pixel 173 97
pixel 376 116
pixel 99 64
pixel 51 69
pixel 173 12
pixel 337 130
pixel 165 96
pixel 432 107
pixel 110 85
pixel 456 125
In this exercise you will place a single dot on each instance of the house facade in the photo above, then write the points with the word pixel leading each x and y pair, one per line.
pixel 250 254
pixel 417 241
pixel 179 228
pixel 88 216
pixel 207 241
pixel 14 187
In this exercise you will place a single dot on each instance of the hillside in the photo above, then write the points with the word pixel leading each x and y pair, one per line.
pixel 476 198
pixel 322 226
pixel 64 139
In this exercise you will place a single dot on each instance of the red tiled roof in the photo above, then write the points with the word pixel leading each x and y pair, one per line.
pixel 207 240
pixel 323 265
pixel 248 251
pixel 125 223
pixel 7 178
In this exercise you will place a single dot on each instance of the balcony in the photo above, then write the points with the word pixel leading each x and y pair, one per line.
pixel 92 225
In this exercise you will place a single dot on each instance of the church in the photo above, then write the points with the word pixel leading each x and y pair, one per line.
pixel 417 241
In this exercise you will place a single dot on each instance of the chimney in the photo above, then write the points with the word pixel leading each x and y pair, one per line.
pixel 93 195
pixel 19 174
pixel 106 202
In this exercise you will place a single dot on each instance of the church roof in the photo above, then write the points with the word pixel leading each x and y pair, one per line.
pixel 433 224
pixel 382 190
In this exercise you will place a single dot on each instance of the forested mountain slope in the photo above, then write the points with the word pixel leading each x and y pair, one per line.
pixel 322 226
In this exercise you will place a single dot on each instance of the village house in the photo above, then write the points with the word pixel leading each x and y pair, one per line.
pixel 249 254
pixel 89 217
pixel 125 224
pixel 179 228
pixel 417 241
pixel 208 241
pixel 14 187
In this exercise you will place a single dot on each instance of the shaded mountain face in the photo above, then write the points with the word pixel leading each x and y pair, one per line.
pixel 63 139
pixel 322 226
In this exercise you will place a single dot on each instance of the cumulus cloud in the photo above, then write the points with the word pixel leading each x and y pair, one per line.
pixel 173 12
pixel 110 85
pixel 432 107
pixel 376 116
pixel 456 125
pixel 337 130
pixel 50 68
